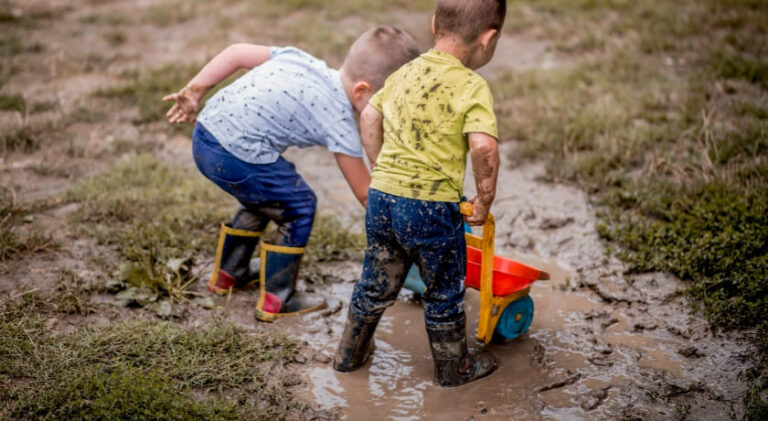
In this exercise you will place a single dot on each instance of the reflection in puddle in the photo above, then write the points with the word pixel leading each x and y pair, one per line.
pixel 327 387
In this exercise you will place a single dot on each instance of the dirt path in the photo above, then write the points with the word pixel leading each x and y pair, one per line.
pixel 603 344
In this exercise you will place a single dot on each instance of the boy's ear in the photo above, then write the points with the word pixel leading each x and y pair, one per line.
pixel 433 24
pixel 487 36
pixel 361 88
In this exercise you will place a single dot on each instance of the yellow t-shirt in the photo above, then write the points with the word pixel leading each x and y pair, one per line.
pixel 429 105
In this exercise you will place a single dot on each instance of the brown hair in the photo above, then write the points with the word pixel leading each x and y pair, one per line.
pixel 468 18
pixel 378 53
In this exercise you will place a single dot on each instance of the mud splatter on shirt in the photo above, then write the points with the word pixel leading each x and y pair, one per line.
pixel 429 105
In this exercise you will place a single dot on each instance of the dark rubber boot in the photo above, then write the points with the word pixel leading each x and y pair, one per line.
pixel 454 364
pixel 233 256
pixel 356 344
pixel 278 296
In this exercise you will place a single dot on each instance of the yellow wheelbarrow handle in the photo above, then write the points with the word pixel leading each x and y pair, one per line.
pixel 487 321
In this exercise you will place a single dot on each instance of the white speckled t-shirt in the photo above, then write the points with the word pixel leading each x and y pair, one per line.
pixel 292 99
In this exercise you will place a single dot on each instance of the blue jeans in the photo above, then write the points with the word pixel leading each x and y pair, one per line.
pixel 266 192
pixel 402 232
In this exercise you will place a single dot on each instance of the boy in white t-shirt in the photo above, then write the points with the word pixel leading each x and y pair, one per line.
pixel 289 98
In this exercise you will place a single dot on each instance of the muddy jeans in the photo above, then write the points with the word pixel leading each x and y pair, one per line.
pixel 266 192
pixel 404 231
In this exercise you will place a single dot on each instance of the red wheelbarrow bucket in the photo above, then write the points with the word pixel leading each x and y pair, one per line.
pixel 509 276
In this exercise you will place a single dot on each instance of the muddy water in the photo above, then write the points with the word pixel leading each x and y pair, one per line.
pixel 397 384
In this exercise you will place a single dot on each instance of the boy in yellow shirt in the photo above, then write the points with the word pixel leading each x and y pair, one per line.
pixel 417 131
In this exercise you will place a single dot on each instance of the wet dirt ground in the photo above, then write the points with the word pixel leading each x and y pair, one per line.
pixel 603 344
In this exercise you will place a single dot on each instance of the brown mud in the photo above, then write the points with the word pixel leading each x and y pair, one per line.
pixel 603 344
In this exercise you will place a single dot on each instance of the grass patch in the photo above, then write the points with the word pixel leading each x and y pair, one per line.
pixel 170 13
pixel 332 241
pixel 138 369
pixel 156 217
pixel 14 102
pixel 14 243
pixel 24 138
pixel 86 115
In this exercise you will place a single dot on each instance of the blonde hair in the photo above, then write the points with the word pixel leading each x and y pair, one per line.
pixel 378 53
pixel 468 18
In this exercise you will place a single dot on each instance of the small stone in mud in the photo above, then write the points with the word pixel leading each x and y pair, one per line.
pixel 480 405
pixel 639 326
pixel 555 222
pixel 600 361
pixel 596 314
pixel 676 331
pixel 321 358
pixel 300 359
pixel 690 352
pixel 593 399
pixel 612 321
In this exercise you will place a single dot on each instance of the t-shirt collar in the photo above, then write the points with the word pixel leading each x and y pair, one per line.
pixel 443 56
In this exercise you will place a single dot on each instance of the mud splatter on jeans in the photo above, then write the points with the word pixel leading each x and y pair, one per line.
pixel 404 231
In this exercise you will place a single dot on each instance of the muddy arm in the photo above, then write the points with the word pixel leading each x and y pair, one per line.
pixel 372 132
pixel 484 150
pixel 232 58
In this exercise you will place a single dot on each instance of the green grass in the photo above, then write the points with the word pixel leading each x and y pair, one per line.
pixel 331 241
pixel 138 369
pixel 666 125
pixel 156 217
pixel 15 243
pixel 15 102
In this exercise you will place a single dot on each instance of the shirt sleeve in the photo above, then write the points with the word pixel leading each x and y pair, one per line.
pixel 480 116
pixel 343 138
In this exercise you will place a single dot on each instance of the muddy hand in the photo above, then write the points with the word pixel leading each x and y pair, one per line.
pixel 187 104
pixel 475 213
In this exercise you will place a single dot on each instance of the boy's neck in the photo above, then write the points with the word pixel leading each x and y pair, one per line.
pixel 452 45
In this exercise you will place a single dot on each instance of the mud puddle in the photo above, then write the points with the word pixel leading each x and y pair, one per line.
pixel 602 345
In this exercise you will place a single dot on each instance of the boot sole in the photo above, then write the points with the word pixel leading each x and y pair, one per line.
pixel 268 317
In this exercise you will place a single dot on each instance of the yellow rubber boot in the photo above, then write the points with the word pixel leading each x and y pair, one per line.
pixel 233 256
pixel 278 296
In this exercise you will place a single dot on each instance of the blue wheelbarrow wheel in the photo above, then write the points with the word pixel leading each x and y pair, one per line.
pixel 515 319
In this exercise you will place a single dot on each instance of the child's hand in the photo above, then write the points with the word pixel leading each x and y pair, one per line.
pixel 187 105
pixel 479 213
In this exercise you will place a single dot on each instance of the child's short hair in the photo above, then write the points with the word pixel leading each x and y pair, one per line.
pixel 378 53
pixel 468 18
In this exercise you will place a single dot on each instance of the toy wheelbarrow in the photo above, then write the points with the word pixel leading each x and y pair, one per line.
pixel 506 309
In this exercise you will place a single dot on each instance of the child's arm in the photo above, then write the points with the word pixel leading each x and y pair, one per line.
pixel 371 132
pixel 485 164
pixel 356 174
pixel 232 58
